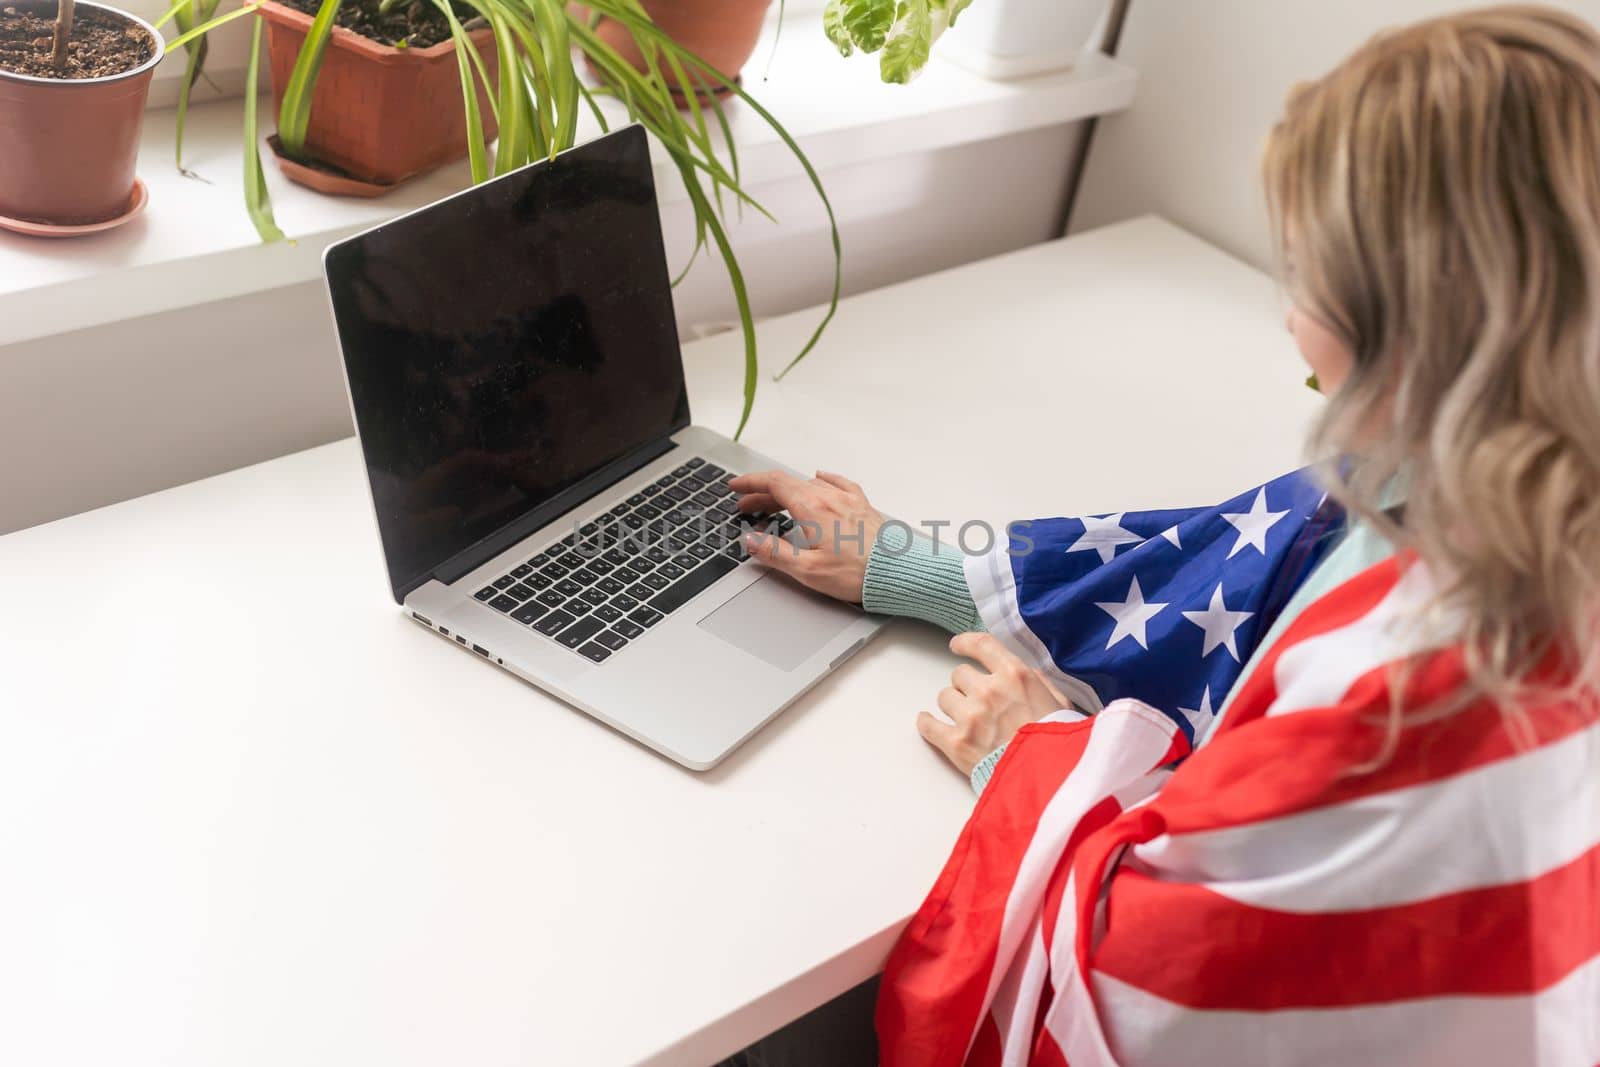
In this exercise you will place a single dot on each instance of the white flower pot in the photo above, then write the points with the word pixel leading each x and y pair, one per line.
pixel 1004 39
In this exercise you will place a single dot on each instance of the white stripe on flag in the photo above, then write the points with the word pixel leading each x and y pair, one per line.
pixel 1557 1027
pixel 993 586
pixel 1504 822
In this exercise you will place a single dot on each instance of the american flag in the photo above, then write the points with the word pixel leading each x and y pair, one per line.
pixel 1162 606
pixel 1308 887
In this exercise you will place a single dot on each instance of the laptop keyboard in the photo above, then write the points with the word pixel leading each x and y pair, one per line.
pixel 618 574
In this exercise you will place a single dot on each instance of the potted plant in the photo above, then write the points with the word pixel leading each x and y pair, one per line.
pixel 516 72
pixel 73 82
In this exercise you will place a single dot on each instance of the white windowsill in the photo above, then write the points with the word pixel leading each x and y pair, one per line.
pixel 194 242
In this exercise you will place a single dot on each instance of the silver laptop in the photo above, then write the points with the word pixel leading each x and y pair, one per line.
pixel 543 502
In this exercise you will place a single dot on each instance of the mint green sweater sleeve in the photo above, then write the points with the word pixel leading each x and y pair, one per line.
pixel 908 574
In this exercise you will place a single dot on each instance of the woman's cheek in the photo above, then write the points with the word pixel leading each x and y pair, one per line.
pixel 1328 356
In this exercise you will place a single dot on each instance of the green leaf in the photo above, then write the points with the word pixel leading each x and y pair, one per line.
pixel 256 199
pixel 1314 385
pixel 200 31
pixel 867 22
pixel 833 26
pixel 294 116
pixel 905 52
pixel 477 151
pixel 956 8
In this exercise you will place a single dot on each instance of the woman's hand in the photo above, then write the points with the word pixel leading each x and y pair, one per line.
pixel 835 518
pixel 986 707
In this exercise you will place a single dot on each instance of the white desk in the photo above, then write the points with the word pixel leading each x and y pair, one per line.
pixel 250 815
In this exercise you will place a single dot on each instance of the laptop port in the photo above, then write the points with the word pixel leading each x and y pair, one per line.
pixel 444 631
pixel 422 619
pixel 460 640
pixel 480 650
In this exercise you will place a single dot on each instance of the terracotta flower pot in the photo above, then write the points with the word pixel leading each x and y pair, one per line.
pixel 68 146
pixel 721 32
pixel 379 114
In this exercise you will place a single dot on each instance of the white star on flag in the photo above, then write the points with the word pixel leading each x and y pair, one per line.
pixel 1103 536
pixel 1219 624
pixel 1130 616
pixel 1199 717
pixel 1253 525
pixel 1171 534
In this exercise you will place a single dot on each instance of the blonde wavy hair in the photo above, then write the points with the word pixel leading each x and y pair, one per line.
pixel 1436 200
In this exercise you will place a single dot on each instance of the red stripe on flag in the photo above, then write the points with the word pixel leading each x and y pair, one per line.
pixel 1204 950
pixel 1278 766
pixel 937 976
pixel 1339 607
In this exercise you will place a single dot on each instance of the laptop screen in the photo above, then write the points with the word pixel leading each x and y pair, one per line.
pixel 505 343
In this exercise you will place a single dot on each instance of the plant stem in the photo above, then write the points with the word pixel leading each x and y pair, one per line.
pixel 63 33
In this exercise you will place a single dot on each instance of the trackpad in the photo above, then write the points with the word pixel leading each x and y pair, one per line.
pixel 779 621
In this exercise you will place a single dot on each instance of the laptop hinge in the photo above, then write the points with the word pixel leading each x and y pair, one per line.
pixel 471 558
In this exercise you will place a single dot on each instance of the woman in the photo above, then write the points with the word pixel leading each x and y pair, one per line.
pixel 1385 848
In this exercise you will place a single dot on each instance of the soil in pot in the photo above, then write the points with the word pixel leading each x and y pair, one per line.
pixel 101 45
pixel 414 24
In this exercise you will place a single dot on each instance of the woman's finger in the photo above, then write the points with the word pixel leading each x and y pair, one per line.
pixel 777 553
pixel 941 735
pixel 758 504
pixel 954 703
pixel 839 481
pixel 966 678
pixel 985 648
pixel 790 492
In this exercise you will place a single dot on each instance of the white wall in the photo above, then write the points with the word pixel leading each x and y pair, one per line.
pixel 104 414
pixel 1213 77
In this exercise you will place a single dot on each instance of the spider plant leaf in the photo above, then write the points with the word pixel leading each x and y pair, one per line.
pixel 477 152
pixel 594 108
pixel 256 199
pixel 206 27
pixel 512 151
pixel 294 116
pixel 741 296
pixel 550 22
pixel 188 14
pixel 816 184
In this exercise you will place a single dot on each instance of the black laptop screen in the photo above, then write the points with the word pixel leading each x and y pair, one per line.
pixel 504 344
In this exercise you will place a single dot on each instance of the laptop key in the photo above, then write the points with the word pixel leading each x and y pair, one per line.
pixel 624 602
pixel 679 472
pixel 664 481
pixel 711 470
pixel 676 492
pixel 608 612
pixel 702 578
pixel 619 510
pixel 530 612
pixel 654 581
pixel 554 570
pixel 640 591
pixel 522 570
pixel 635 500
pixel 520 592
pixel 611 639
pixel 595 596
pixel 539 560
pixel 626 628
pixel 702 551
pixel 617 556
pixel 537 581
pixel 505 582
pixel 551 599
pixel 625 575
pixel 652 489
pixel 568 587
pixel 669 571
pixel 645 617
pixel 571 560
pixel 609 585
pixel 584 576
pixel 578 607
pixel 693 463
pixel 594 652
pixel 601 565
pixel 503 603
pixel 649 511
pixel 556 620
pixel 579 632
pixel 486 593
